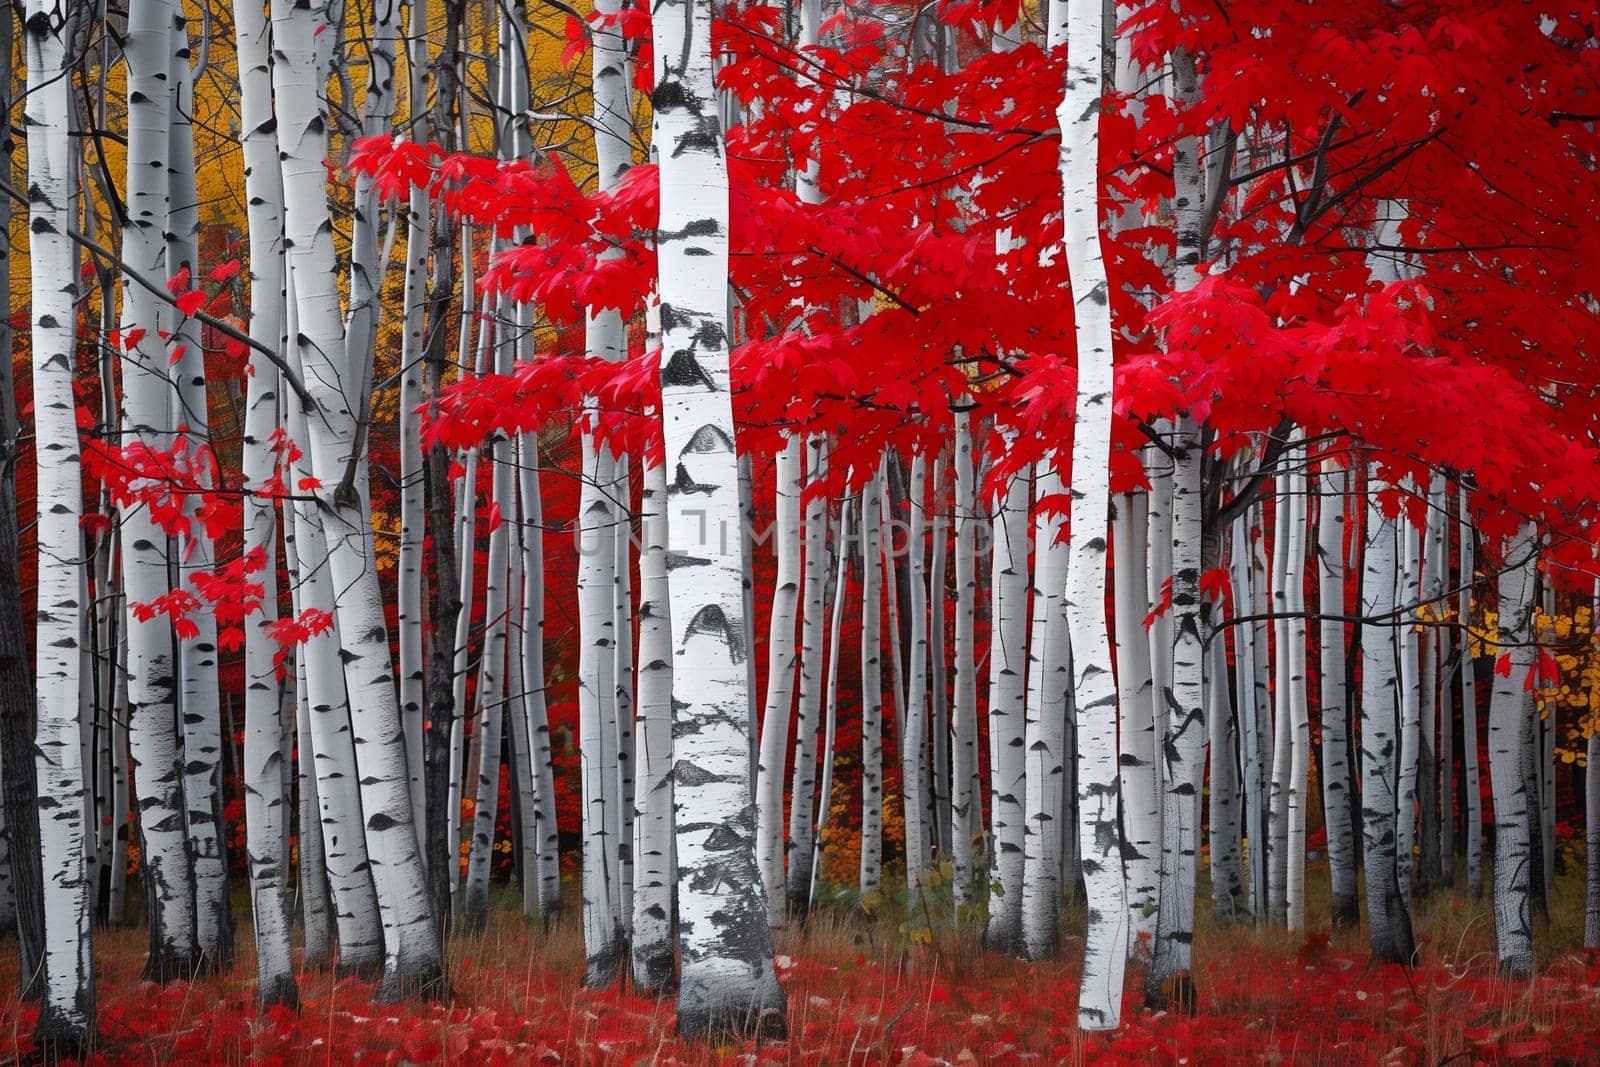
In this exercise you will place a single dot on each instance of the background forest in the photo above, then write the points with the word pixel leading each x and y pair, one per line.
pixel 906 533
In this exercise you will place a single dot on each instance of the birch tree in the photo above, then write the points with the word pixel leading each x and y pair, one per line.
pixel 1136 732
pixel 1333 482
pixel 802 794
pixel 66 1016
pixel 1514 858
pixel 1105 953
pixel 146 412
pixel 871 542
pixel 1469 710
pixel 411 943
pixel 779 703
pixel 266 804
pixel 966 805
pixel 727 981
pixel 655 874
pixel 1388 915
pixel 1008 690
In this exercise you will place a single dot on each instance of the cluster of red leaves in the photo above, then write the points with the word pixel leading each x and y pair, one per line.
pixel 1264 1005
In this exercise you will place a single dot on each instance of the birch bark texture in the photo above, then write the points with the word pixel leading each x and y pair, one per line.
pixel 266 801
pixel 727 980
pixel 1106 948
pixel 66 1016
pixel 1514 857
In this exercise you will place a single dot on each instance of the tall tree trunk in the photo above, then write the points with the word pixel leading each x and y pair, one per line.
pixel 199 710
pixel 966 805
pixel 66 1017
pixel 1254 783
pixel 316 899
pixel 267 815
pixel 802 810
pixel 1410 651
pixel 536 723
pixel 411 941
pixel 1299 724
pixel 913 732
pixel 410 580
pixel 1334 484
pixel 830 749
pixel 168 875
pixel 1514 858
pixel 1469 710
pixel 1044 743
pixel 1388 914
pixel 1106 947
pixel 727 982
pixel 1136 701
pixel 338 791
pixel 1435 720
pixel 939 689
pixel 1008 693
pixel 871 692
pixel 780 680
pixel 655 875
pixel 1227 874
pixel 1282 689
pixel 1183 743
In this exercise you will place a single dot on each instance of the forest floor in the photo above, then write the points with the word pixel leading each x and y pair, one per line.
pixel 892 990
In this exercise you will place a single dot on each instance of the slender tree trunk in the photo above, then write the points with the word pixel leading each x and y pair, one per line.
pixel 1106 947
pixel 939 690
pixel 1335 484
pixel 830 748
pixel 536 723
pixel 913 733
pixel 966 806
pixel 1008 693
pixel 199 710
pixel 1434 719
pixel 168 876
pixel 411 937
pixel 1299 723
pixel 655 873
pixel 802 812
pixel 871 693
pixel 1410 650
pixel 1388 914
pixel 1227 874
pixel 1282 687
pixel 410 581
pixel 1254 785
pixel 66 1017
pixel 316 901
pixel 780 680
pixel 1508 735
pixel 1136 701
pixel 727 982
pixel 1044 743
pixel 338 791
pixel 1469 711
pixel 267 811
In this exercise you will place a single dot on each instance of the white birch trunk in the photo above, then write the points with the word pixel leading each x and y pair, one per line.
pixel 1388 915
pixel 939 690
pixel 830 749
pixel 1136 700
pixel 1334 483
pixel 655 875
pixel 411 941
pixel 199 710
pixel 536 722
pixel 1106 947
pixel 780 680
pixel 1410 650
pixel 266 801
pixel 1008 694
pixel 1434 762
pixel 1227 874
pixel 1158 573
pixel 1045 735
pixel 410 582
pixel 622 607
pixel 1469 711
pixel 66 1015
pixel 329 735
pixel 316 900
pixel 152 693
pixel 727 982
pixel 871 542
pixel 1282 686
pixel 1508 737
pixel 1299 723
pixel 913 733
pixel 1253 786
pixel 802 811
pixel 966 806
